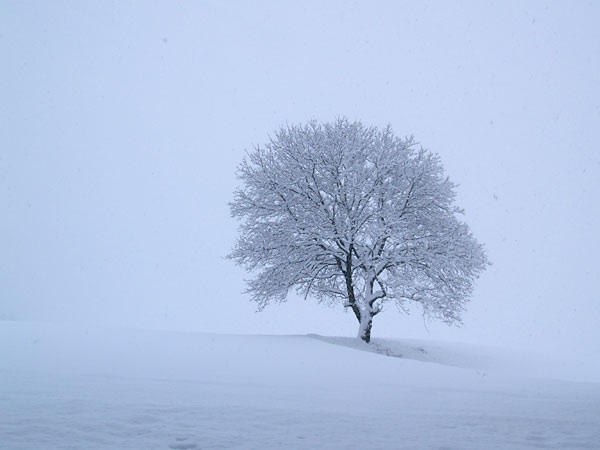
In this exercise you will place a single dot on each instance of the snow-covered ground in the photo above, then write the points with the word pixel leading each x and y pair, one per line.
pixel 67 387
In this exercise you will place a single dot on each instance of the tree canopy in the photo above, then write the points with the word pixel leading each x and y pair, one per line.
pixel 353 215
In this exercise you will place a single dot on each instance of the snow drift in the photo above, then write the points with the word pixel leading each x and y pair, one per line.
pixel 78 387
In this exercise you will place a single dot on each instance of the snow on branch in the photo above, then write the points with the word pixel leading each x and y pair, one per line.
pixel 352 214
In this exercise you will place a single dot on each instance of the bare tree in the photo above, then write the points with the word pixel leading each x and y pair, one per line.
pixel 354 215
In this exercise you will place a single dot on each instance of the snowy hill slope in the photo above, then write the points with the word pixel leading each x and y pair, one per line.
pixel 509 362
pixel 65 387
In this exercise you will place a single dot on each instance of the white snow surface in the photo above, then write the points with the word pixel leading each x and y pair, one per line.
pixel 68 387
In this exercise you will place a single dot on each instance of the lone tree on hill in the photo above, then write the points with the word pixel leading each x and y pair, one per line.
pixel 353 215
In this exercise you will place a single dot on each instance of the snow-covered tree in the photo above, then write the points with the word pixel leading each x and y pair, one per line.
pixel 354 215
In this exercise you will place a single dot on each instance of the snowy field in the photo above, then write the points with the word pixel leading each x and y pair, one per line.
pixel 67 387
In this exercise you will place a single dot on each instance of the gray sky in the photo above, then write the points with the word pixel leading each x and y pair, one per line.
pixel 122 124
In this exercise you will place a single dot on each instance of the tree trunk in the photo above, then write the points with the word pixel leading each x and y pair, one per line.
pixel 365 325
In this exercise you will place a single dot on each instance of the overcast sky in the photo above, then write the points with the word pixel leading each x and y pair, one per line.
pixel 122 124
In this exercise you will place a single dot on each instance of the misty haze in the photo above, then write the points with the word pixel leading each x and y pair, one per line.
pixel 124 131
